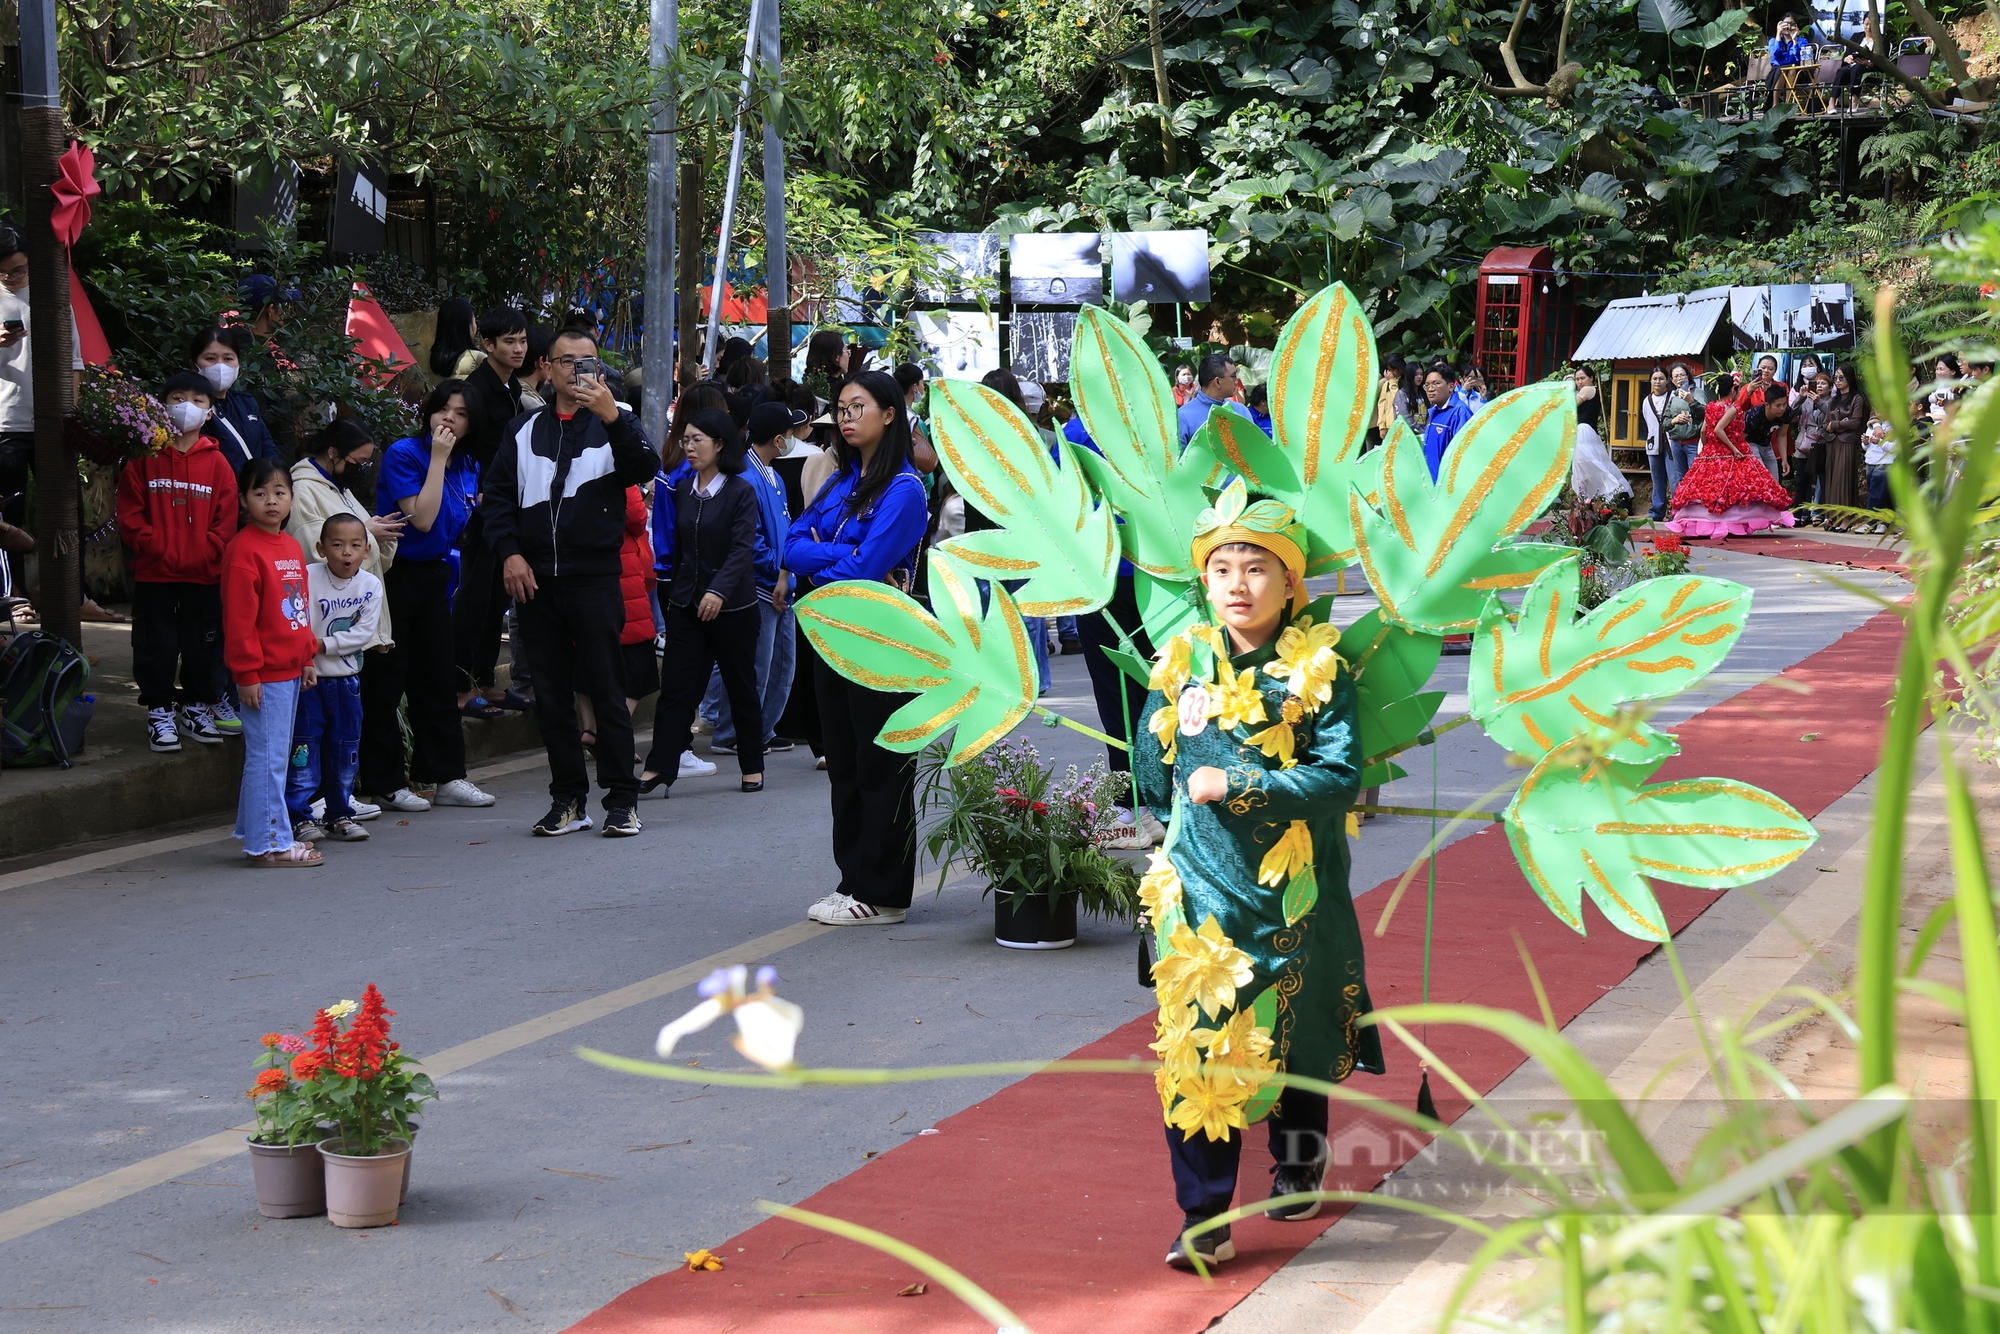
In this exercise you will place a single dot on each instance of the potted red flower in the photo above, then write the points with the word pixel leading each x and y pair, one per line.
pixel 361 1082
pixel 284 1155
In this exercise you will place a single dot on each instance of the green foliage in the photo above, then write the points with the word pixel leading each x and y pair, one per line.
pixel 1007 817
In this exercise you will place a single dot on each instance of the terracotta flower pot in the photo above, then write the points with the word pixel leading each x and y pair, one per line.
pixel 363 1191
pixel 1034 925
pixel 291 1180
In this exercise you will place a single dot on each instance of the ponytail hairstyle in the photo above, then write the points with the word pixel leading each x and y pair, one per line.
pixel 892 455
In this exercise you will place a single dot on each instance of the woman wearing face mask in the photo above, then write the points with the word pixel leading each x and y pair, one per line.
pixel 337 476
pixel 217 356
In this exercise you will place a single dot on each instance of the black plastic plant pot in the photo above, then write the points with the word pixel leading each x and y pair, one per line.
pixel 1031 923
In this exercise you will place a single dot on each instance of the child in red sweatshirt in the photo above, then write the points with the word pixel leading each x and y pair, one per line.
pixel 267 640
pixel 176 511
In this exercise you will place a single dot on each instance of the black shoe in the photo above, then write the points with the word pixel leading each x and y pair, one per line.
pixel 757 786
pixel 646 785
pixel 715 748
pixel 620 823
pixel 1297 1181
pixel 1214 1247
pixel 1070 646
pixel 778 743
pixel 565 817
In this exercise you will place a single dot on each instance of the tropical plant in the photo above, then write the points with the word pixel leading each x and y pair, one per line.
pixel 1007 816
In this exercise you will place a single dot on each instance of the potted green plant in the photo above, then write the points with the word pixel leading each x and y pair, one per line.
pixel 285 1164
pixel 1039 841
pixel 361 1082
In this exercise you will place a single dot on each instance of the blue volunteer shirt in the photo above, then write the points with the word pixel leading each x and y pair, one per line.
pixel 1445 424
pixel 667 488
pixel 404 468
pixel 868 545
pixel 1194 413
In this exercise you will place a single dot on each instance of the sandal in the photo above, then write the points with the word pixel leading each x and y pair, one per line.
pixel 589 740
pixel 479 708
pixel 516 701
pixel 293 858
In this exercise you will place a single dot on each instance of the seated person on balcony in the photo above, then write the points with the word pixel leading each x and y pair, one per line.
pixel 1788 49
pixel 1853 65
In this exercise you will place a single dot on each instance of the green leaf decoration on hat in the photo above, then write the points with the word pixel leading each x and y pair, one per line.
pixel 1391 666
pixel 1583 826
pixel 1053 532
pixel 1433 552
pixel 1547 676
pixel 970 670
pixel 1128 407
pixel 1322 403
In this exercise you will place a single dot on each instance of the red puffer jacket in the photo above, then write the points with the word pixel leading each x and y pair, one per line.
pixel 635 570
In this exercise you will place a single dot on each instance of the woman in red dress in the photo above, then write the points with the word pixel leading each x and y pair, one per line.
pixel 1727 491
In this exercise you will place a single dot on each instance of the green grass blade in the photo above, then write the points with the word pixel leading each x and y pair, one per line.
pixel 979 1299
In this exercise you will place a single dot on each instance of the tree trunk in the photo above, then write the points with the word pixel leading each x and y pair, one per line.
pixel 1162 90
pixel 58 548
pixel 690 250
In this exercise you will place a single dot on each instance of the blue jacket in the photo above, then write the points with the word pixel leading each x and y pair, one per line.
pixel 1445 424
pixel 1795 52
pixel 1194 413
pixel 239 426
pixel 1078 434
pixel 885 537
pixel 666 489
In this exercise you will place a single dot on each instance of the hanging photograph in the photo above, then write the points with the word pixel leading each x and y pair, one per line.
pixel 958 344
pixel 1791 315
pixel 1057 269
pixel 1750 319
pixel 974 254
pixel 1041 345
pixel 1831 318
pixel 1159 266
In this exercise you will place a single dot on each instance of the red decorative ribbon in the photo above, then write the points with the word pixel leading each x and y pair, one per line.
pixel 73 189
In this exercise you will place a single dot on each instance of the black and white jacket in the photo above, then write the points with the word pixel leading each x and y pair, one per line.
pixel 555 494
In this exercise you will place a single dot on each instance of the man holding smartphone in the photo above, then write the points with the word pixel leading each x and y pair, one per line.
pixel 553 505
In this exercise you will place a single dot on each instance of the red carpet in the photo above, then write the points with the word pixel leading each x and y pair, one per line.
pixel 1054 1194
pixel 1787 547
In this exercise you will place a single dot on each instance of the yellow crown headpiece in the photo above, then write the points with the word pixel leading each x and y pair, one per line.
pixel 1267 524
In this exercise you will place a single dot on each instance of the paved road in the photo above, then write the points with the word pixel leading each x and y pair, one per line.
pixel 543 1187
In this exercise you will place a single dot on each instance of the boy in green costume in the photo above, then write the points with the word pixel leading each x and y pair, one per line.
pixel 1254 739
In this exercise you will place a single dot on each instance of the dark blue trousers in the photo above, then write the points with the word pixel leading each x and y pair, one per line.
pixel 1205 1169
pixel 326 748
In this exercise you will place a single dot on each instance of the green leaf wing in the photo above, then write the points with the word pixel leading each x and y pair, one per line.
pixel 1323 391
pixel 970 670
pixel 1434 552
pixel 1546 676
pixel 1052 533
pixel 1390 666
pixel 1129 409
pixel 1166 606
pixel 1592 828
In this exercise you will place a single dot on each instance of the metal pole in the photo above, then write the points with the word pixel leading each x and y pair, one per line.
pixel 58 550
pixel 662 171
pixel 723 238
pixel 777 273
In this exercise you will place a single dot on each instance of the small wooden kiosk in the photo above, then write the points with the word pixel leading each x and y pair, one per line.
pixel 1637 335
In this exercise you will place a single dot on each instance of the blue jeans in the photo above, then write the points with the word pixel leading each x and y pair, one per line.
pixel 1038 631
pixel 1878 486
pixel 1663 490
pixel 1066 628
pixel 326 746
pixel 777 652
pixel 262 821
pixel 1680 457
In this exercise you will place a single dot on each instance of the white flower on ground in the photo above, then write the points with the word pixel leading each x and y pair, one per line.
pixel 767 1026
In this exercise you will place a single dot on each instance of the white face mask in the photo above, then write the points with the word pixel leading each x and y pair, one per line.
pixel 186 416
pixel 220 374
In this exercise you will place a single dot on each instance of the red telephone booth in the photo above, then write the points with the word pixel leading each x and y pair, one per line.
pixel 1523 319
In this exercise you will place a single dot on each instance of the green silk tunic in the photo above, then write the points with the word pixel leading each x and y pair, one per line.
pixel 1309 984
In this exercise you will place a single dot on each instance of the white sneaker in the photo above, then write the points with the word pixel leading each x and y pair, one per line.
pixel 308 831
pixel 226 721
pixel 1125 835
pixel 406 801
pixel 197 721
pixel 363 810
pixel 841 910
pixel 347 831
pixel 1151 829
pixel 161 734
pixel 461 792
pixel 701 726
pixel 694 766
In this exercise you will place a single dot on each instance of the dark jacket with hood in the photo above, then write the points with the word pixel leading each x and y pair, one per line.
pixel 555 494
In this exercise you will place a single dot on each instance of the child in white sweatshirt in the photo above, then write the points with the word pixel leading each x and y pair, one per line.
pixel 344 603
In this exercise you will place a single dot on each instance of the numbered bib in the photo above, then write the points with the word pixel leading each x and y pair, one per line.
pixel 1194 710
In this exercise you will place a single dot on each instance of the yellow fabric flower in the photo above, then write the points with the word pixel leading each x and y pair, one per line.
pixel 1293 853
pixel 1166 725
pixel 1167 1084
pixel 1160 887
pixel 1237 1036
pixel 1292 711
pixel 1236 699
pixel 1307 661
pixel 1202 967
pixel 1277 740
pixel 1176 1045
pixel 1212 1106
pixel 1172 666
pixel 700 1260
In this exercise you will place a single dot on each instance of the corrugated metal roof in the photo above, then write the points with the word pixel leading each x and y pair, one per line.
pixel 1676 324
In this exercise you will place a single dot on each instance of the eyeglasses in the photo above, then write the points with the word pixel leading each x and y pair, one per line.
pixel 564 362
pixel 851 412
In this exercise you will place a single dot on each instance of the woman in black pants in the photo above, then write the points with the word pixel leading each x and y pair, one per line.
pixel 865 525
pixel 432 483
pixel 705 532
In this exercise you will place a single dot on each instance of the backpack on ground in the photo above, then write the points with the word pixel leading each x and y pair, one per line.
pixel 43 710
